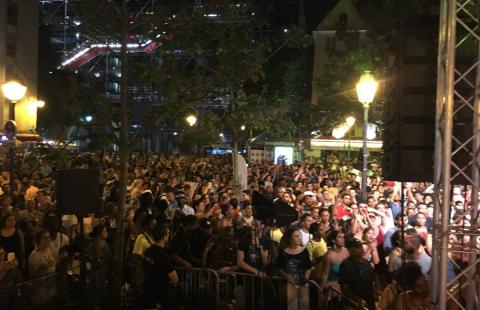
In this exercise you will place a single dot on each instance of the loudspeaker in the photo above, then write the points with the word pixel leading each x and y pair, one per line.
pixel 78 191
pixel 409 115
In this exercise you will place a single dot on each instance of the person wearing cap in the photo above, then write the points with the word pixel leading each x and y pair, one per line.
pixel 357 275
pixel 181 201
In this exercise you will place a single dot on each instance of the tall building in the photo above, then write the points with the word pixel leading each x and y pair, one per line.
pixel 19 59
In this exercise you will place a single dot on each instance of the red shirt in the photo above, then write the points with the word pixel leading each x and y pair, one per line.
pixel 341 211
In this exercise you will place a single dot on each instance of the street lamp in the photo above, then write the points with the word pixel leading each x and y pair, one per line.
pixel 14 91
pixel 350 121
pixel 366 89
pixel 371 131
pixel 191 120
pixel 338 133
pixel 40 104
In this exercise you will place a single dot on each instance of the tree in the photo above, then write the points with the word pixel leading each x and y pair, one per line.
pixel 222 55
pixel 336 82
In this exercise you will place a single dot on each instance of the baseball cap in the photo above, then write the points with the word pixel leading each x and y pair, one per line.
pixel 353 243
pixel 309 193
pixel 180 195
pixel 205 223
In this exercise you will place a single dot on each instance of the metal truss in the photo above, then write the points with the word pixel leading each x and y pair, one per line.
pixel 458 87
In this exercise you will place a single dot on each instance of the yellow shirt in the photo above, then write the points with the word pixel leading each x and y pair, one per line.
pixel 316 249
pixel 142 243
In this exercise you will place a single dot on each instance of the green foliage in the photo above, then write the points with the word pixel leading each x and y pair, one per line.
pixel 336 82
pixel 69 98
pixel 205 132
pixel 231 59
pixel 223 60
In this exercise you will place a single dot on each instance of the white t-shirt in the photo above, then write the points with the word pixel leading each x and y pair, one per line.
pixel 59 242
pixel 305 237
pixel 187 210
pixel 41 263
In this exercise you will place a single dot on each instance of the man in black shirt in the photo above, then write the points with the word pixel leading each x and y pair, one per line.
pixel 158 272
pixel 356 275
pixel 180 246
pixel 199 239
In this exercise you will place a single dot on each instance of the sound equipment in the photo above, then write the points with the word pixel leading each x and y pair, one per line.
pixel 278 213
pixel 409 115
pixel 78 191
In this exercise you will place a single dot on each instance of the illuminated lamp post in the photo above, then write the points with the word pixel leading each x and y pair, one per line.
pixel 350 121
pixel 14 91
pixel 192 121
pixel 366 89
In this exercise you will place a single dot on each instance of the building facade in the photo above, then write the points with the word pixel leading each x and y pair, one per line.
pixel 19 59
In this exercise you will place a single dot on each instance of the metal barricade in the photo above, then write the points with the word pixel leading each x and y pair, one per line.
pixel 315 295
pixel 197 289
pixel 248 291
pixel 339 301
pixel 48 291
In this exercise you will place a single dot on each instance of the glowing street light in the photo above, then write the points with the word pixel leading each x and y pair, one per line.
pixel 242 128
pixel 40 104
pixel 371 131
pixel 191 120
pixel 350 121
pixel 366 89
pixel 14 91
pixel 338 133
pixel 88 118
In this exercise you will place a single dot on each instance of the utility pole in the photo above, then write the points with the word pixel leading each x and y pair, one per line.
pixel 124 153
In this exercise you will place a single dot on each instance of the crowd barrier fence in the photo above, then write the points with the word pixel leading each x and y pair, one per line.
pixel 197 289
pixel 48 291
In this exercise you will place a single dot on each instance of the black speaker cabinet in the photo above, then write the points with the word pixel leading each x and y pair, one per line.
pixel 78 191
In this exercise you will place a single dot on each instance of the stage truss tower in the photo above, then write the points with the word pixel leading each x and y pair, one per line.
pixel 457 133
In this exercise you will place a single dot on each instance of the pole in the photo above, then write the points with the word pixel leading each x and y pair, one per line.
pixel 365 152
pixel 124 152
pixel 472 288
pixel 443 144
pixel 348 150
pixel 65 25
pixel 11 159
pixel 11 111
pixel 236 177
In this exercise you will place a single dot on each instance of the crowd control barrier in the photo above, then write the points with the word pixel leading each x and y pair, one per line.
pixel 197 289
pixel 48 291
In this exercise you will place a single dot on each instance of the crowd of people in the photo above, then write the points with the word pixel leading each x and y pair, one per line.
pixel 183 212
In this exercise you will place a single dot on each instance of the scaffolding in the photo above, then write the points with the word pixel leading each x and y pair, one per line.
pixel 457 104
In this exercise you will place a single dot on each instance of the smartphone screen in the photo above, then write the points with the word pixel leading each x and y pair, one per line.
pixel 10 256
